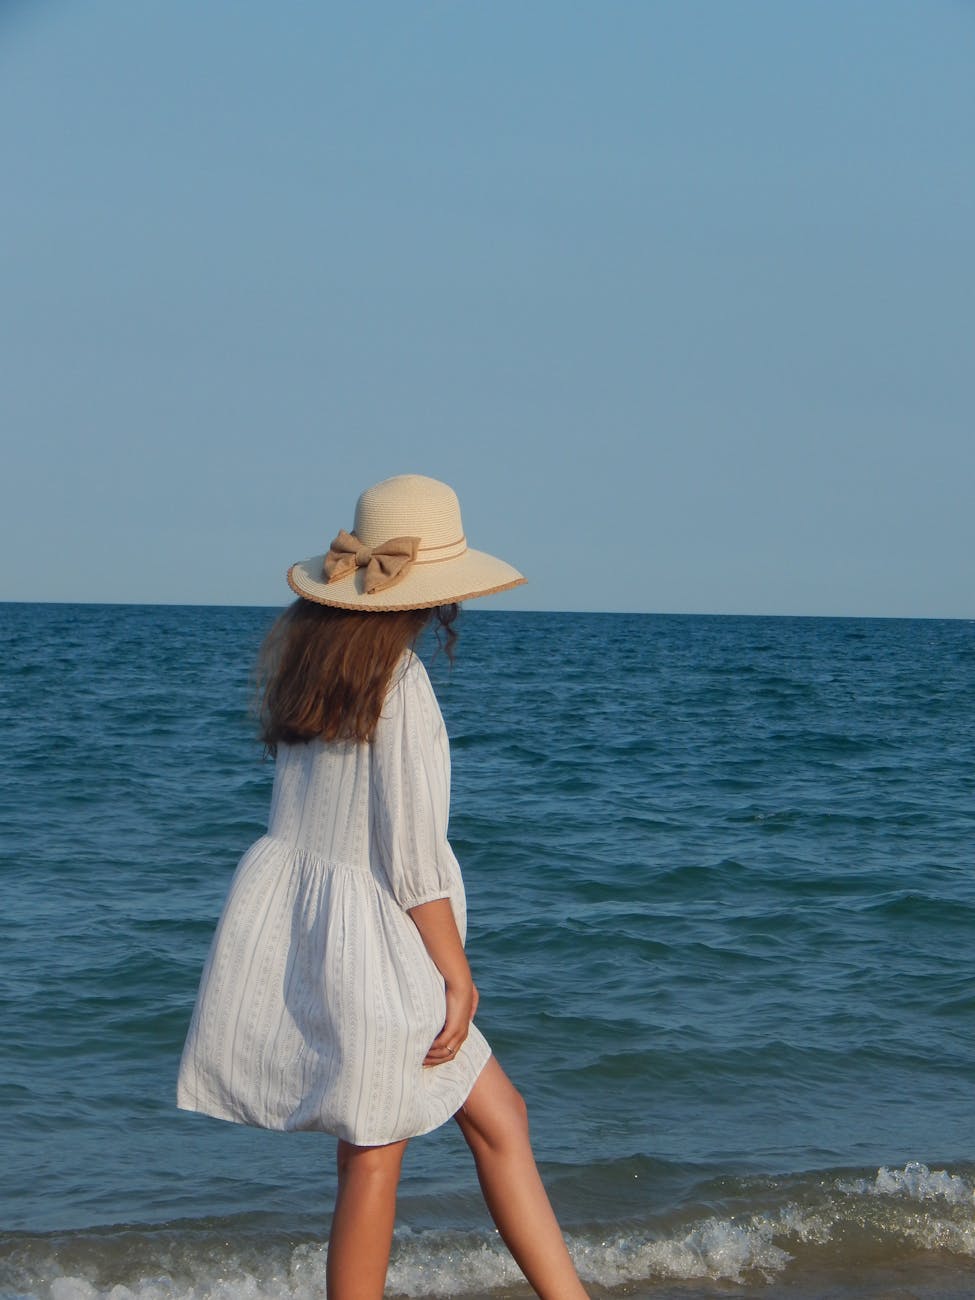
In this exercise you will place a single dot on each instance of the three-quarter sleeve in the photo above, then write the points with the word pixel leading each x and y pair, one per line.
pixel 411 791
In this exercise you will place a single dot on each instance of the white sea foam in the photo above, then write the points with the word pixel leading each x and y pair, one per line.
pixel 915 1182
pixel 953 1230
pixel 454 1267
pixel 437 1264
pixel 718 1249
pixel 943 1234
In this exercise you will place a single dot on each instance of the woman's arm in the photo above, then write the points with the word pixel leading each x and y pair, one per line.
pixel 438 930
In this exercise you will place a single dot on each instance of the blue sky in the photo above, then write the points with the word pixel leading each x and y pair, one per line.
pixel 678 296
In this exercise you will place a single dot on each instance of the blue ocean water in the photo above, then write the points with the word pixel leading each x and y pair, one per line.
pixel 720 876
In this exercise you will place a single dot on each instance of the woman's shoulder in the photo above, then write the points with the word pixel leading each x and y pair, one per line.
pixel 410 674
pixel 410 688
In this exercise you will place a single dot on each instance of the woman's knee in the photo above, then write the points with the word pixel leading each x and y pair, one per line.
pixel 518 1109
pixel 495 1113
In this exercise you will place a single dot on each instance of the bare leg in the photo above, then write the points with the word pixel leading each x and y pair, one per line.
pixel 362 1225
pixel 494 1120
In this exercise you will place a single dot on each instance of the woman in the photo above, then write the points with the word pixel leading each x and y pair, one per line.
pixel 337 995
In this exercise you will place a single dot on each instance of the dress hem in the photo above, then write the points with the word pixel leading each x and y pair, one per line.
pixel 216 1112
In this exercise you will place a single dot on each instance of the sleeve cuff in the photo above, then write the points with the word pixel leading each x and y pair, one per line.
pixel 408 903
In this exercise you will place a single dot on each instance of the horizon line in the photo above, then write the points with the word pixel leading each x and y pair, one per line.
pixel 613 613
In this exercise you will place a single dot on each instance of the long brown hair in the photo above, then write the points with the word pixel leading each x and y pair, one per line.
pixel 324 672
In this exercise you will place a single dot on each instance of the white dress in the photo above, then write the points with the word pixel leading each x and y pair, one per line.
pixel 319 1001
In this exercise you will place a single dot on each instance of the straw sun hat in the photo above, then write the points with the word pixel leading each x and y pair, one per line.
pixel 407 550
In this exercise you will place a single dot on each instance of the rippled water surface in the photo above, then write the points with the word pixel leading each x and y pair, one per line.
pixel 720 875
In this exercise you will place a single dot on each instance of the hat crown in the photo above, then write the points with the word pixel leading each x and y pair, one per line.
pixel 409 505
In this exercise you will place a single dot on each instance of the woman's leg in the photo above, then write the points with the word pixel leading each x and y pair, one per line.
pixel 494 1120
pixel 362 1225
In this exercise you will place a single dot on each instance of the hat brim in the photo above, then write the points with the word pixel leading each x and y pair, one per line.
pixel 475 573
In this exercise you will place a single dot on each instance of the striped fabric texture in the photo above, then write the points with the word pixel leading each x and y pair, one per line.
pixel 318 1000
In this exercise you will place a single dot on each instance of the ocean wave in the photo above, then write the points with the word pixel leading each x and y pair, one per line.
pixel 820 1224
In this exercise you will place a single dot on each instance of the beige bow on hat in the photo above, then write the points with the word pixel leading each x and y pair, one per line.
pixel 384 564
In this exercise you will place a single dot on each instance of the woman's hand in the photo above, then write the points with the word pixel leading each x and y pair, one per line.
pixel 461 1008
pixel 438 930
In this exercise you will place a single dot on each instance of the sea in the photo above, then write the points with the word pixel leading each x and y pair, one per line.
pixel 722 895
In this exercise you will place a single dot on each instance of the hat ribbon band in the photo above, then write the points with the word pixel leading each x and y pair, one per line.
pixel 385 564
